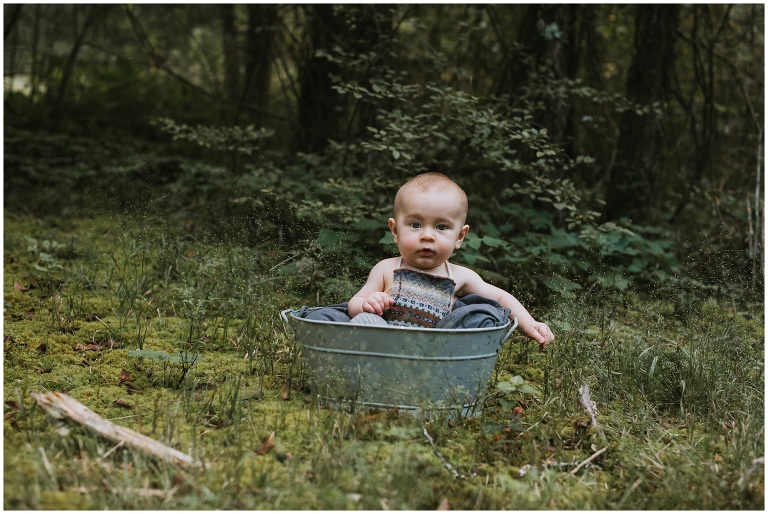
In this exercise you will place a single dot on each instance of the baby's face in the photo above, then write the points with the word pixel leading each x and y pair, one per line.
pixel 428 226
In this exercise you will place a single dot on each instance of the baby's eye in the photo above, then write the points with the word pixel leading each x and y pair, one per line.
pixel 414 224
pixel 442 226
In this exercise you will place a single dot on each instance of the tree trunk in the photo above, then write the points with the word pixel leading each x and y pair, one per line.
pixel 318 102
pixel 262 19
pixel 358 30
pixel 14 17
pixel 565 55
pixel 231 53
pixel 701 114
pixel 631 189
pixel 11 62
pixel 520 63
pixel 34 79
pixel 372 29
pixel 94 14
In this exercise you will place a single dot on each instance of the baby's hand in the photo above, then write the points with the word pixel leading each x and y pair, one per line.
pixel 541 333
pixel 377 303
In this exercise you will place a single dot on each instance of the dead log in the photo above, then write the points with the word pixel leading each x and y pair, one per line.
pixel 62 407
pixel 588 460
pixel 586 401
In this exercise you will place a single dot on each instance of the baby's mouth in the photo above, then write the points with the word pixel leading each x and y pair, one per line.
pixel 426 253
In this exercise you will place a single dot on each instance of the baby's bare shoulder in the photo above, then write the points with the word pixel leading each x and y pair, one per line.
pixel 463 273
pixel 464 276
pixel 386 266
pixel 381 274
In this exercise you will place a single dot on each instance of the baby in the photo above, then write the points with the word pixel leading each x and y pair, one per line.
pixel 420 287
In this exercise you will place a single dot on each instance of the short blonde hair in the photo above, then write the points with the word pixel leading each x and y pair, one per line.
pixel 432 181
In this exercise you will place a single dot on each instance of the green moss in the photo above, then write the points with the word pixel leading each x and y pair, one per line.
pixel 64 500
pixel 232 400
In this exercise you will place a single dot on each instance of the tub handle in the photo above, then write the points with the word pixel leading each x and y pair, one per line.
pixel 511 329
pixel 283 315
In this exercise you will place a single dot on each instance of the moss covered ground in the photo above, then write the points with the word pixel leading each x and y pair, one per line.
pixel 679 393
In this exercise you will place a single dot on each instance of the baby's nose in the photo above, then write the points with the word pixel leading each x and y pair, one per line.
pixel 427 234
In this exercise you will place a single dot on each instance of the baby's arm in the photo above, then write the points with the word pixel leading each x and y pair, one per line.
pixel 534 329
pixel 372 297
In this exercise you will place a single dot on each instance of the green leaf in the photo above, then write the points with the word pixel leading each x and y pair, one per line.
pixel 333 240
pixel 369 224
pixel 507 404
pixel 493 242
pixel 506 387
pixel 561 284
pixel 515 426
pixel 387 239
pixel 527 389
pixel 613 279
pixel 473 242
pixel 151 354
pixel 638 265
pixel 186 358
pixel 491 428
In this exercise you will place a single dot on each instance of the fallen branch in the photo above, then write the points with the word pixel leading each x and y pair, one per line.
pixel 760 461
pixel 448 466
pixel 586 401
pixel 61 407
pixel 587 461
pixel 158 493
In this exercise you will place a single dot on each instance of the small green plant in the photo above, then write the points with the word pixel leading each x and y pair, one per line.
pixel 48 271
pixel 225 406
pixel 508 415
pixel 514 391
pixel 196 307
pixel 247 140
pixel 129 281
pixel 515 385
pixel 185 359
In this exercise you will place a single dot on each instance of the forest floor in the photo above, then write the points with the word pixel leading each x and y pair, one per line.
pixel 183 342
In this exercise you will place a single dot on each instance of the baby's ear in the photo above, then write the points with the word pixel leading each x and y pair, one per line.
pixel 393 228
pixel 462 235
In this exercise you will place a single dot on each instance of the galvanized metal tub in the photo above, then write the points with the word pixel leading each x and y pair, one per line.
pixel 390 366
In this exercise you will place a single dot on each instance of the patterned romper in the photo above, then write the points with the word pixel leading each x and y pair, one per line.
pixel 421 299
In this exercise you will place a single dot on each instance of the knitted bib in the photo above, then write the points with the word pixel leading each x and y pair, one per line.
pixel 421 299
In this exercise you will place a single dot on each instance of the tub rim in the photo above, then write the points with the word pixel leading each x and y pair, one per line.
pixel 513 322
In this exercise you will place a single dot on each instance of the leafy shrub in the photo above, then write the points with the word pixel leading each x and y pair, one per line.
pixel 535 230
pixel 537 234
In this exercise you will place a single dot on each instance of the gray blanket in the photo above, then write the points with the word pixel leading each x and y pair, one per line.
pixel 471 311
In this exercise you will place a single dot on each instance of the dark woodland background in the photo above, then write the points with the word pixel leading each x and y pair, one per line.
pixel 603 147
